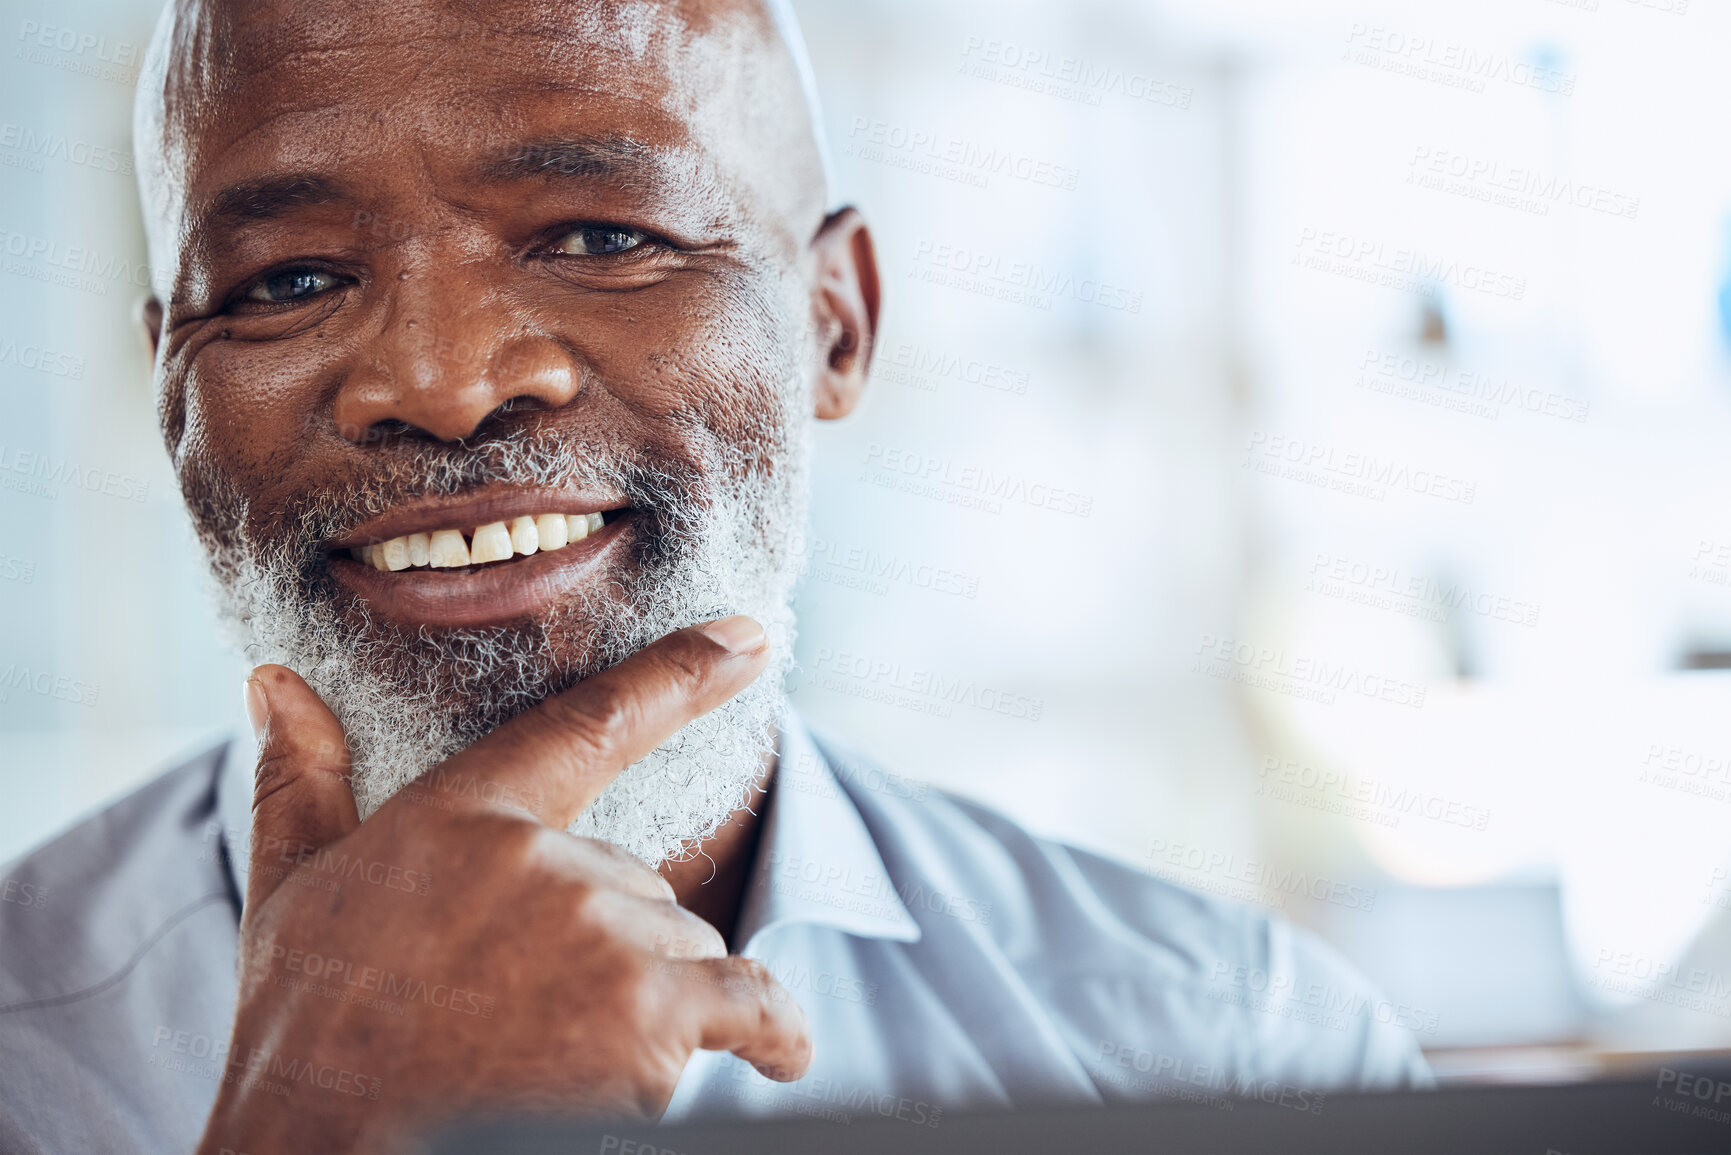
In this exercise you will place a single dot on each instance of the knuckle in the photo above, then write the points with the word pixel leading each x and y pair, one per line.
pixel 708 940
pixel 609 708
pixel 508 845
pixel 274 771
pixel 590 919
pixel 750 982
pixel 625 868
pixel 594 719
pixel 686 662
pixel 755 979
pixel 642 1002
pixel 305 747
pixel 691 938
pixel 752 974
pixel 612 856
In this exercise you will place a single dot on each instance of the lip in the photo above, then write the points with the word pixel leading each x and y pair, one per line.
pixel 429 515
pixel 498 592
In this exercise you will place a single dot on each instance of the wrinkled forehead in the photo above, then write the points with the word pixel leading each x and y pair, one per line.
pixel 703 90
pixel 293 69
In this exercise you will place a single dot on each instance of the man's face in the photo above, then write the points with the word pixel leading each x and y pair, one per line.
pixel 437 267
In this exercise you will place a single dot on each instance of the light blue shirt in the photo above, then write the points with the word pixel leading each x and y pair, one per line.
pixel 945 958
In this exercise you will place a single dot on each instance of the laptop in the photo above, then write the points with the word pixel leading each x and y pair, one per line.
pixel 1668 1110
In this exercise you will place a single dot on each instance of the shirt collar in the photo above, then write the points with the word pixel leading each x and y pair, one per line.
pixel 816 864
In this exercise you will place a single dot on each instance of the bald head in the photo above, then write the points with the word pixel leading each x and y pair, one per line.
pixel 720 89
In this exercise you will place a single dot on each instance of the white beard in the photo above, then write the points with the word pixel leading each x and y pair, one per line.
pixel 408 700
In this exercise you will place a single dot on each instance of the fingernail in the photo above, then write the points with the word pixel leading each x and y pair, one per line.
pixel 257 708
pixel 737 634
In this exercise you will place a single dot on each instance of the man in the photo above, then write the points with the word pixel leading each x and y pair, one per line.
pixel 488 341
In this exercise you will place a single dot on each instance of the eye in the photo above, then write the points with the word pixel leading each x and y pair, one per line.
pixel 598 241
pixel 291 285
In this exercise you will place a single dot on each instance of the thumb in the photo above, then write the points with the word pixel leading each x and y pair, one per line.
pixel 301 799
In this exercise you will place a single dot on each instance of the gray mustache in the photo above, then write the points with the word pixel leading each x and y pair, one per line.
pixel 658 488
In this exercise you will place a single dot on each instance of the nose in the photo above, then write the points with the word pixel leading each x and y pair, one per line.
pixel 451 353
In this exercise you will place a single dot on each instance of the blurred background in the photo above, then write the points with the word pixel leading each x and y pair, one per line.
pixel 1293 466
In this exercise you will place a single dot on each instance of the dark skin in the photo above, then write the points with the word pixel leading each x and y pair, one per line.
pixel 379 222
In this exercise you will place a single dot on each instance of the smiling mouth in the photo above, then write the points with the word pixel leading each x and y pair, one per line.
pixel 483 546
pixel 497 555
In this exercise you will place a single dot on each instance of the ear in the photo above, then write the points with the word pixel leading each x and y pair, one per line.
pixel 149 316
pixel 844 309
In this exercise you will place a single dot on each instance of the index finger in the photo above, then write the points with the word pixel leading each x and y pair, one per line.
pixel 556 758
pixel 745 1010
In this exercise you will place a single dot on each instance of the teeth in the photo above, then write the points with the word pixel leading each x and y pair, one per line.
pixel 550 530
pixel 446 549
pixel 525 538
pixel 496 541
pixel 492 542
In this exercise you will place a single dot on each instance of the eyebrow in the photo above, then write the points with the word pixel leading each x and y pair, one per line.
pixel 593 157
pixel 271 197
pixel 618 159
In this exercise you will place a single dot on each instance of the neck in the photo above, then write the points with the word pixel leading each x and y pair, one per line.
pixel 711 883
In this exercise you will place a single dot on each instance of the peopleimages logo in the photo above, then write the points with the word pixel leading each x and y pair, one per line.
pixel 1348 471
pixel 328 976
pixel 1314 679
pixel 1196 866
pixel 81 53
pixel 868 892
pixel 1661 981
pixel 31 147
pixel 929 475
pixel 1019 282
pixel 28 894
pixel 815 1097
pixel 1336 791
pixel 1176 1071
pixel 72 259
pixel 38 474
pixel 934 153
pixel 1689 772
pixel 861 567
pixel 41 359
pixel 1462 389
pixel 1336 1007
pixel 1703 1096
pixel 923 367
pixel 1519 187
pixel 917 688
pixel 46 684
pixel 193 1053
pixel 1387 588
pixel 121 52
pixel 1399 266
pixel 1065 77
pixel 1446 63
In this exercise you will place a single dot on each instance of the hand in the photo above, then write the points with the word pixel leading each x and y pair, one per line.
pixel 459 949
